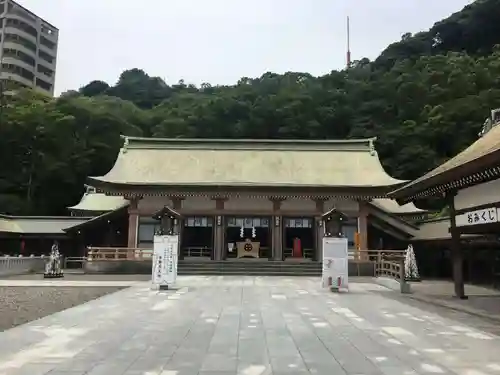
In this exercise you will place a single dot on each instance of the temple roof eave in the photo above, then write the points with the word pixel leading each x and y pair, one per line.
pixel 132 189
pixel 95 202
pixel 102 182
pixel 390 205
pixel 476 164
pixel 248 164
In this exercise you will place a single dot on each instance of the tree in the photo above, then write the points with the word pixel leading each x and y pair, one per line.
pixel 425 99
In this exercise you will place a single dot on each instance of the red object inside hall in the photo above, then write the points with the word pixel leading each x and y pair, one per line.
pixel 297 248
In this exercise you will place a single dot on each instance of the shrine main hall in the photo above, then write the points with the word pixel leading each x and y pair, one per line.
pixel 271 193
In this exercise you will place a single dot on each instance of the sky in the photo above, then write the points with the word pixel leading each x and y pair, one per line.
pixel 220 41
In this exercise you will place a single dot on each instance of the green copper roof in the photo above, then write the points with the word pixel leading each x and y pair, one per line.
pixel 38 224
pixel 256 163
pixel 97 202
pixel 456 167
pixel 390 205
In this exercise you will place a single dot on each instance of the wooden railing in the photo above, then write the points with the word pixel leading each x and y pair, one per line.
pixel 378 257
pixel 375 256
pixel 390 268
pixel 393 266
pixel 198 252
pixel 118 253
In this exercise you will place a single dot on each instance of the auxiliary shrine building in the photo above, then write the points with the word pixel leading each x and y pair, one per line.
pixel 269 193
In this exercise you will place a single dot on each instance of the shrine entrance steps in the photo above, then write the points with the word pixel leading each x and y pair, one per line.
pixel 249 267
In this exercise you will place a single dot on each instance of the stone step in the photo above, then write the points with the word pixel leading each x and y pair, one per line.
pixel 248 273
pixel 261 269
pixel 247 267
pixel 261 263
pixel 250 265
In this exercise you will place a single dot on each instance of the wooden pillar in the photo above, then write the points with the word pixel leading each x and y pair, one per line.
pixel 277 232
pixel 456 251
pixel 133 222
pixel 219 251
pixel 178 224
pixel 362 230
pixel 110 234
pixel 318 231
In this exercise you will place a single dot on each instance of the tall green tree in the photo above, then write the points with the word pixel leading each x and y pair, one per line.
pixel 425 98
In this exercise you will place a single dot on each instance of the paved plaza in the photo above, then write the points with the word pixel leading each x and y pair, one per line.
pixel 224 325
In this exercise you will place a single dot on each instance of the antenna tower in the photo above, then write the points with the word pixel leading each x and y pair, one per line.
pixel 348 60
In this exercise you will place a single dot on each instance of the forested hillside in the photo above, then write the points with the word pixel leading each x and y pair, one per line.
pixel 425 98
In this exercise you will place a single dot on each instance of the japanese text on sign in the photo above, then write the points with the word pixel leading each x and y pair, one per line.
pixel 484 216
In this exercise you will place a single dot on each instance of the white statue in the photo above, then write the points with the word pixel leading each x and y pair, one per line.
pixel 53 266
pixel 411 269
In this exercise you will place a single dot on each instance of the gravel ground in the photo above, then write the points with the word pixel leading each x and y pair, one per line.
pixel 19 305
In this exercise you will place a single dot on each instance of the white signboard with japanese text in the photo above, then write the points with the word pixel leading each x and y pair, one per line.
pixel 165 256
pixel 477 217
pixel 335 263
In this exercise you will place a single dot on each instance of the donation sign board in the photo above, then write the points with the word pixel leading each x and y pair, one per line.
pixel 335 263
pixel 165 255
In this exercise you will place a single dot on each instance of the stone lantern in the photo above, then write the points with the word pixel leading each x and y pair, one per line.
pixel 169 221
pixel 333 220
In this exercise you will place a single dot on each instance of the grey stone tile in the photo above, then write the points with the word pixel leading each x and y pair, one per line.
pixel 327 369
pixel 226 324
pixel 31 369
pixel 295 364
pixel 176 372
pixel 108 368
pixel 254 367
pixel 219 362
pixel 398 370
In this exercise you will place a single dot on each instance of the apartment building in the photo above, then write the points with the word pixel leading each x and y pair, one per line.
pixel 28 48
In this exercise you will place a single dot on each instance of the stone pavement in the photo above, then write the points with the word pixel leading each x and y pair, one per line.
pixel 483 302
pixel 220 325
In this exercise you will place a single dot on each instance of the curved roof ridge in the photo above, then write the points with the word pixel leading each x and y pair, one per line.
pixel 364 144
pixel 248 140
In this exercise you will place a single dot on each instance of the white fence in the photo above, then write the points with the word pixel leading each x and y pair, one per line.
pixel 21 265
